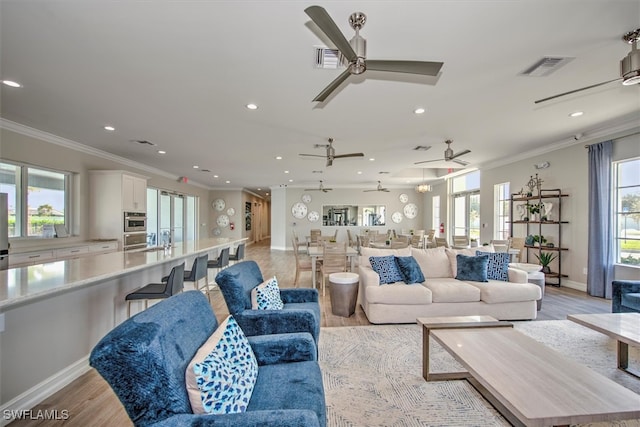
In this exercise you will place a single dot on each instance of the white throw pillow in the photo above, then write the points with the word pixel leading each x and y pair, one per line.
pixel 433 262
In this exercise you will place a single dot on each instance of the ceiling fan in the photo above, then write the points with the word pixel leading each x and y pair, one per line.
pixel 320 188
pixel 331 153
pixel 354 51
pixel 629 68
pixel 379 188
pixel 449 155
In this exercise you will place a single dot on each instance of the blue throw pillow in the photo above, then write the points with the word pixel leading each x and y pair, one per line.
pixel 498 266
pixel 473 268
pixel 386 268
pixel 409 269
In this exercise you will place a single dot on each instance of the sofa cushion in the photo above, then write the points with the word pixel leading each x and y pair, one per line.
pixel 433 262
pixel 631 300
pixel 498 266
pixel 496 291
pixel 452 253
pixel 266 296
pixel 448 289
pixel 409 269
pixel 398 293
pixel 386 268
pixel 472 268
pixel 365 253
pixel 221 376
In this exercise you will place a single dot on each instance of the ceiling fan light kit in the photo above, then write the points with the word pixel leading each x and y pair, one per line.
pixel 630 64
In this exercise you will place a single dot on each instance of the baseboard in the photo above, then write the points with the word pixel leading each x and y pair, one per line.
pixel 574 285
pixel 38 393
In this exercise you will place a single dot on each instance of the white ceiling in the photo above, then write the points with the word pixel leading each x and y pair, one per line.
pixel 180 73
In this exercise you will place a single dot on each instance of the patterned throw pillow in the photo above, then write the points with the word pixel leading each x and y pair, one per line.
pixel 266 296
pixel 472 268
pixel 498 266
pixel 410 269
pixel 221 376
pixel 386 268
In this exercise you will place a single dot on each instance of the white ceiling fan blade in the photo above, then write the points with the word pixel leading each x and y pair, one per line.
pixel 410 67
pixel 460 162
pixel 575 90
pixel 332 86
pixel 324 21
pixel 341 156
pixel 312 155
pixel 429 161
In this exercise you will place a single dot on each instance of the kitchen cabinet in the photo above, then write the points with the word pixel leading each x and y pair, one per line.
pixel 547 222
pixel 134 193
pixel 56 254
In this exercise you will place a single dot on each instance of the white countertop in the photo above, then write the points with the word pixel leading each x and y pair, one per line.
pixel 23 284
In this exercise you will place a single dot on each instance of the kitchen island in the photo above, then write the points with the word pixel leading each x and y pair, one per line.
pixel 52 314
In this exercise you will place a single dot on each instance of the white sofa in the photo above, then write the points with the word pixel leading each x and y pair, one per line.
pixel 441 294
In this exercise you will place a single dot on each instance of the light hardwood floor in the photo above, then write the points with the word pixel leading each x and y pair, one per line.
pixel 91 402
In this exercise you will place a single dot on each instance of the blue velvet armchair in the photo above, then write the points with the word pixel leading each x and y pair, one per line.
pixel 144 359
pixel 301 312
pixel 626 296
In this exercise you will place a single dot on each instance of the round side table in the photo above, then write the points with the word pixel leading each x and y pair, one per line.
pixel 343 291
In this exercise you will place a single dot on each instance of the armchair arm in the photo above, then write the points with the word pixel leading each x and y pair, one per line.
pixel 517 276
pixel 298 295
pixel 266 322
pixel 283 348
pixel 280 418
pixel 620 287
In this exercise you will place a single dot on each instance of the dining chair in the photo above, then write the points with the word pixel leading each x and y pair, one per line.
pixel 441 241
pixel 315 236
pixel 334 260
pixel 500 245
pixel 517 243
pixel 398 244
pixel 156 291
pixel 299 244
pixel 302 264
pixel 461 241
pixel 428 239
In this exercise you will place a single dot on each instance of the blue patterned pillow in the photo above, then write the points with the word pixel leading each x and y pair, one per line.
pixel 498 266
pixel 473 268
pixel 221 376
pixel 410 269
pixel 266 296
pixel 386 268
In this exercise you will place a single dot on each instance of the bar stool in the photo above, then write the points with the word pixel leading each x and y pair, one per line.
pixel 239 255
pixel 198 271
pixel 219 264
pixel 173 285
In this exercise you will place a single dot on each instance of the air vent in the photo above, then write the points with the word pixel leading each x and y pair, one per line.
pixel 384 173
pixel 546 66
pixel 422 147
pixel 205 170
pixel 327 58
pixel 317 172
pixel 143 142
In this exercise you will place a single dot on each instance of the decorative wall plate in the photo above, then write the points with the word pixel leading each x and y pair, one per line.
pixel 222 221
pixel 410 210
pixel 299 210
pixel 404 198
pixel 313 216
pixel 218 204
pixel 231 212
pixel 306 198
pixel 396 217
pixel 216 231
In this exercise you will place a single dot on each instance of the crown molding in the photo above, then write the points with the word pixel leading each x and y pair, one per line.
pixel 73 145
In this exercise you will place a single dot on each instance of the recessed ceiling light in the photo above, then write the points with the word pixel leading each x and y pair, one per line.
pixel 259 189
pixel 576 114
pixel 196 166
pixel 290 180
pixel 371 159
pixel 228 182
pixel 266 194
pixel 286 171
pixel 359 172
pixel 419 110
pixel 109 128
pixel 162 152
pixel 11 83
pixel 216 176
pixel 278 157
pixel 252 106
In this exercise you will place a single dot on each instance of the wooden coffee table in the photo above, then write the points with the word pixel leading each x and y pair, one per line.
pixel 624 327
pixel 529 383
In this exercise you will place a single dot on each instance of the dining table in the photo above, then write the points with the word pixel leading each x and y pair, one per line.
pixel 315 252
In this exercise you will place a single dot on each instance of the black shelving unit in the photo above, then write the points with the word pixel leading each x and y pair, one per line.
pixel 537 226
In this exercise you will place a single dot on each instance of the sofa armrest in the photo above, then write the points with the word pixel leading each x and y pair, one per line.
pixel 517 276
pixel 267 322
pixel 620 287
pixel 281 418
pixel 298 295
pixel 368 277
pixel 283 348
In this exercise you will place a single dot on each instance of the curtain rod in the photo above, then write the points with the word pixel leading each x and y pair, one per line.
pixel 620 137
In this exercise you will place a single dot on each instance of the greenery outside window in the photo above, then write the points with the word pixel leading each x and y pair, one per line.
pixel 627 211
pixel 38 199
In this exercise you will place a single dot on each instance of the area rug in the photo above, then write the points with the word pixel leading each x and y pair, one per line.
pixel 373 375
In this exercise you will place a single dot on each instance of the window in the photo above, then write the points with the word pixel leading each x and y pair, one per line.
pixel 435 206
pixel 466 205
pixel 38 199
pixel 627 211
pixel 501 218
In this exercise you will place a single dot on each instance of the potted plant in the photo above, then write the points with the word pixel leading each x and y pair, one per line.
pixel 539 240
pixel 545 259
pixel 534 210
